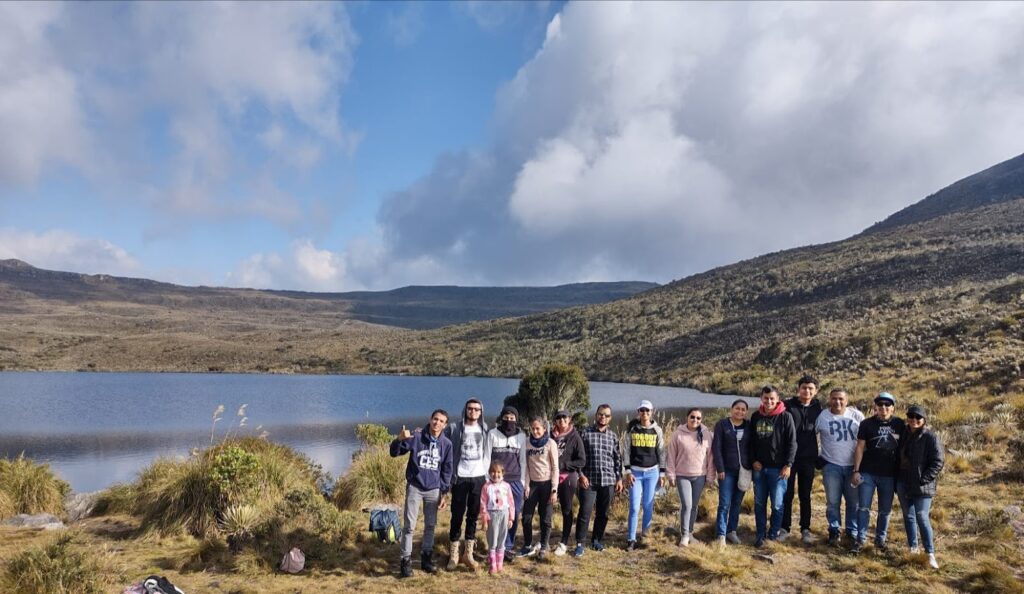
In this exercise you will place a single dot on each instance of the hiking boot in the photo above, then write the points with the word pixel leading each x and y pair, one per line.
pixel 833 539
pixel 856 547
pixel 759 543
pixel 427 562
pixel 881 546
pixel 467 555
pixel 405 567
pixel 733 537
pixel 560 550
pixel 932 561
pixel 806 537
pixel 631 545
pixel 578 551
pixel 453 557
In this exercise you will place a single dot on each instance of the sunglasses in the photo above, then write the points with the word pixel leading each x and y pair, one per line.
pixel 885 404
pixel 643 410
pixel 694 418
pixel 604 415
pixel 915 417
pixel 473 408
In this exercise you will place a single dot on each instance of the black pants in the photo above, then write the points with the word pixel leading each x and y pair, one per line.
pixel 602 496
pixel 566 491
pixel 803 473
pixel 465 502
pixel 540 496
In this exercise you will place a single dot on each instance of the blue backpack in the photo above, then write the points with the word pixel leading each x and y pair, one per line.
pixel 385 524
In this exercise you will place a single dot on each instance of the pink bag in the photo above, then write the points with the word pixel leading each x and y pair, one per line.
pixel 293 561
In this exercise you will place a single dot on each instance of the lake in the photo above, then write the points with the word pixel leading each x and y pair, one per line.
pixel 96 429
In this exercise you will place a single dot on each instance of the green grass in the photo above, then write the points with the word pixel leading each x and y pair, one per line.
pixel 374 477
pixel 58 568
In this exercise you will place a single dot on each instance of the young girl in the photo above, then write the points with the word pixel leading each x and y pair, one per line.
pixel 541 487
pixel 497 511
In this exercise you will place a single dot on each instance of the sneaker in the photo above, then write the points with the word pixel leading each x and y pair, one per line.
pixel 560 550
pixel 856 547
pixel 684 540
pixel 643 537
pixel 529 551
pixel 932 561
pixel 881 546
pixel 721 541
pixel 806 537
pixel 631 545
pixel 509 557
pixel 542 554
pixel 915 550
pixel 759 543
pixel 597 546
pixel 733 537
pixel 578 551
pixel 783 535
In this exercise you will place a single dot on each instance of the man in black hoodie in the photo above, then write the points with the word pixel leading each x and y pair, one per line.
pixel 772 452
pixel 471 460
pixel 804 408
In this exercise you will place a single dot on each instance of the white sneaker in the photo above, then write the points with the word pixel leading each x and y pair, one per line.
pixel 932 562
pixel 783 535
pixel 684 540
pixel 733 537
pixel 560 549
pixel 915 550
pixel 805 536
pixel 721 541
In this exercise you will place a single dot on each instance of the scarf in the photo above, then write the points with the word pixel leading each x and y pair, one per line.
pixel 779 409
pixel 540 441
pixel 556 434
pixel 509 428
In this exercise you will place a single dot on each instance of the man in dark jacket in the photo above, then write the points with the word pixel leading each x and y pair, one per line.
pixel 804 408
pixel 470 461
pixel 772 452
pixel 428 475
pixel 921 461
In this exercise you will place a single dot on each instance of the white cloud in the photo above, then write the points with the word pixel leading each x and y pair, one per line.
pixel 656 140
pixel 405 24
pixel 62 250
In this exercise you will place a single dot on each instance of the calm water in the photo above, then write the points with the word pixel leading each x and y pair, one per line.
pixel 99 428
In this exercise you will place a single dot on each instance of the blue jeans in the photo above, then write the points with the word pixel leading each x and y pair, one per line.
pixel 837 489
pixel 644 486
pixel 915 517
pixel 517 498
pixel 729 500
pixel 886 487
pixel 767 483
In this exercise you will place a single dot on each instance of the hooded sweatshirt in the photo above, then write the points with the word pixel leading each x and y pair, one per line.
pixel 508 446
pixel 689 454
pixel 430 462
pixel 572 456
pixel 773 437
pixel 473 445
pixel 645 447
pixel 805 419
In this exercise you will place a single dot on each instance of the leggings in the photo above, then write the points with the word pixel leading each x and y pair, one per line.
pixel 540 496
pixel 497 530
pixel 690 489
pixel 566 491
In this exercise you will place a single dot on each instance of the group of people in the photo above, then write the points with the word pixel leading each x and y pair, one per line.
pixel 505 476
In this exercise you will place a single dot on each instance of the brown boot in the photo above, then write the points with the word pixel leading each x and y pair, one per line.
pixel 453 558
pixel 467 555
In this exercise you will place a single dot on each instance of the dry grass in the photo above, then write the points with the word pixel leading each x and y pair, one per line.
pixel 374 477
pixel 59 567
pixel 31 488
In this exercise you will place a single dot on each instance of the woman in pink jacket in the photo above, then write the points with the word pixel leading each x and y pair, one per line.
pixel 690 466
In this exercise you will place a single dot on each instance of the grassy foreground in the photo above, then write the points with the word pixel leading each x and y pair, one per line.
pixel 978 538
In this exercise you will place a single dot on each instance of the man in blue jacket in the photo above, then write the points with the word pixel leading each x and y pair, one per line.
pixel 429 476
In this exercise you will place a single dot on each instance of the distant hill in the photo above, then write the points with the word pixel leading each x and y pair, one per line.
pixel 931 299
pixel 999 183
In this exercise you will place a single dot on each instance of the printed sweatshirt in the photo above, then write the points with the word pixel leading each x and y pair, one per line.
pixel 773 439
pixel 572 456
pixel 687 457
pixel 542 463
pixel 510 451
pixel 496 496
pixel 430 460
pixel 645 446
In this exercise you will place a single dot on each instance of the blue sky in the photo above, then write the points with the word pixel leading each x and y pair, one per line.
pixel 373 145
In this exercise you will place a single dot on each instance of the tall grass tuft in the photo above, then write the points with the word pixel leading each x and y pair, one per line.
pixel 374 477
pixel 116 499
pixel 58 568
pixel 7 508
pixel 32 488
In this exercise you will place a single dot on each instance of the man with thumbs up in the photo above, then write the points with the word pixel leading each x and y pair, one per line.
pixel 428 475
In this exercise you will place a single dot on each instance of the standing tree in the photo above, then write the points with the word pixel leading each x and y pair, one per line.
pixel 549 389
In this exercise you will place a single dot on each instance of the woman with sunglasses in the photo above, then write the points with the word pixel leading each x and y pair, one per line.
pixel 645 469
pixel 730 447
pixel 874 468
pixel 921 461
pixel 690 466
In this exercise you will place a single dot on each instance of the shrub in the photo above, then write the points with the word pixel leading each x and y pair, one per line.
pixel 374 477
pixel 116 499
pixel 32 488
pixel 58 568
pixel 549 389
pixel 373 435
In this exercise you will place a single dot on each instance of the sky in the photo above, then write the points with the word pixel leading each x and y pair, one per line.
pixel 373 145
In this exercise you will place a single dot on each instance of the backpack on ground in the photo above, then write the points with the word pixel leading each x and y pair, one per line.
pixel 160 585
pixel 385 524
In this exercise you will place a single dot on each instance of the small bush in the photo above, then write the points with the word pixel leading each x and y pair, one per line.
pixel 58 568
pixel 116 499
pixel 373 435
pixel 374 477
pixel 32 488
